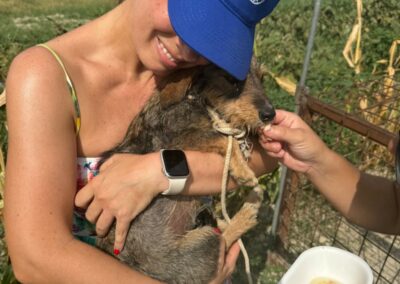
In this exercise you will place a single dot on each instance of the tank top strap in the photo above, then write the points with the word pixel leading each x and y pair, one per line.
pixel 70 87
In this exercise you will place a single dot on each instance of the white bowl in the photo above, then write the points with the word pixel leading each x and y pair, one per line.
pixel 331 263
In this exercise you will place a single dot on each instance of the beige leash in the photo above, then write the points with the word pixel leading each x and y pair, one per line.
pixel 224 128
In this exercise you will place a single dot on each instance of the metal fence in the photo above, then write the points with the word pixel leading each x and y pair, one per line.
pixel 359 127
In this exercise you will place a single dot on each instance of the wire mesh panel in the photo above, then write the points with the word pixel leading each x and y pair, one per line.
pixel 358 127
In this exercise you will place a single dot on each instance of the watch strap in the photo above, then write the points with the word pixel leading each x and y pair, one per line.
pixel 176 185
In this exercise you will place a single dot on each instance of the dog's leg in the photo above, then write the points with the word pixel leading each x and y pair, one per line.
pixel 199 237
pixel 199 249
pixel 222 224
pixel 239 168
pixel 245 218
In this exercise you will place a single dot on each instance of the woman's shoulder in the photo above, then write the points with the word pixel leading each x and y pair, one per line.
pixel 35 63
pixel 36 80
pixel 36 73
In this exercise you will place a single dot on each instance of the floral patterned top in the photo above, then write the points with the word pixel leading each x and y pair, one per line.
pixel 81 228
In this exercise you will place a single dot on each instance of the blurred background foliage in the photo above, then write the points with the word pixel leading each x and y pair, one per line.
pixel 280 45
pixel 282 39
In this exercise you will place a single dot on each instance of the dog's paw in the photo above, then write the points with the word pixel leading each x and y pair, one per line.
pixel 250 182
pixel 222 224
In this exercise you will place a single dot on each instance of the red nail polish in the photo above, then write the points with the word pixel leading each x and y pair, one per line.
pixel 116 251
pixel 217 231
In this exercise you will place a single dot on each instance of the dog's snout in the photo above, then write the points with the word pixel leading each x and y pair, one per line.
pixel 267 114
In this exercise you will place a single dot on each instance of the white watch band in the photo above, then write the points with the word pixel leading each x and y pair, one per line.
pixel 176 185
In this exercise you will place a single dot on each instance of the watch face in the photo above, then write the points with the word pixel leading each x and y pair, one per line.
pixel 175 163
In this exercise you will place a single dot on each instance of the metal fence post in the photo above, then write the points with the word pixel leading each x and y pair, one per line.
pixel 298 97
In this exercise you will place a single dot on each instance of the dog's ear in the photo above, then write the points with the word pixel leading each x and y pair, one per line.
pixel 257 68
pixel 174 87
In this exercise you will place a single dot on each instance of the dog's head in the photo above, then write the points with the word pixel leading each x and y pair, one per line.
pixel 242 104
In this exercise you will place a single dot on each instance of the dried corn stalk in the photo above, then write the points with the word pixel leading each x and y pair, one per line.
pixel 391 69
pixel 389 81
pixel 363 102
pixel 3 98
pixel 385 108
pixel 353 57
pixel 382 112
pixel 285 83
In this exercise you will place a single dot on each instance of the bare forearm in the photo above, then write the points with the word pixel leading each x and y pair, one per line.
pixel 207 169
pixel 115 271
pixel 336 179
pixel 77 262
pixel 376 204
pixel 369 201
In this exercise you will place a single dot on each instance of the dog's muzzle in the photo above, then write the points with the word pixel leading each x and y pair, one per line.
pixel 267 114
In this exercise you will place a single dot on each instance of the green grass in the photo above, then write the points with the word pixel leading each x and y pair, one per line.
pixel 24 23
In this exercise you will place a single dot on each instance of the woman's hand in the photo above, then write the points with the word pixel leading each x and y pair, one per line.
pixel 124 187
pixel 293 142
pixel 226 262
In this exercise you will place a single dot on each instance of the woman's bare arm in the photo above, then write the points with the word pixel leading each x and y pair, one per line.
pixel 41 181
pixel 207 169
pixel 370 201
pixel 127 183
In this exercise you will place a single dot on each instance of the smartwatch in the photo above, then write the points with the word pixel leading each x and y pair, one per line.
pixel 176 169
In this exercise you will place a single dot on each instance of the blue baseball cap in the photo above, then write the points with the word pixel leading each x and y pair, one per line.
pixel 222 31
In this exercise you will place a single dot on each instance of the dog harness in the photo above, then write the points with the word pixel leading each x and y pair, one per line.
pixel 86 166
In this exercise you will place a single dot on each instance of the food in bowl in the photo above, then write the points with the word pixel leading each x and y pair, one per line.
pixel 324 280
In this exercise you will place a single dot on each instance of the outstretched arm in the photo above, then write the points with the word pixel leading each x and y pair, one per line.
pixel 370 201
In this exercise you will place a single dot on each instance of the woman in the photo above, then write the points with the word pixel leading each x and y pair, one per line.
pixel 372 202
pixel 111 66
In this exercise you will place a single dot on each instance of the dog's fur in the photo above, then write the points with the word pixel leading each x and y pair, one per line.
pixel 169 240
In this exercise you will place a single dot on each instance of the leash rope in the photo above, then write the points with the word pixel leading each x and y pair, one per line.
pixel 221 126
pixel 240 135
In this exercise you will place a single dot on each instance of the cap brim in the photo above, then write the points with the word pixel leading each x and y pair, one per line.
pixel 215 33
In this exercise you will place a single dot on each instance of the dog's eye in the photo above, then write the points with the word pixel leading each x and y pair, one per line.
pixel 237 88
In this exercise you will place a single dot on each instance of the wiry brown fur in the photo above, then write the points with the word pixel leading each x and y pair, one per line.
pixel 169 241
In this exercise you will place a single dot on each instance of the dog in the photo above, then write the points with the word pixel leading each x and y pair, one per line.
pixel 174 239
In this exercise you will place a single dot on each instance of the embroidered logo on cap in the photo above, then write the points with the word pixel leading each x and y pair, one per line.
pixel 257 2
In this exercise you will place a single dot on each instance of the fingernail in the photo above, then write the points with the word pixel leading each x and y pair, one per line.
pixel 267 127
pixel 217 231
pixel 116 251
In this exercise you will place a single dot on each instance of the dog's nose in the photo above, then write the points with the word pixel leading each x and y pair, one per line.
pixel 267 114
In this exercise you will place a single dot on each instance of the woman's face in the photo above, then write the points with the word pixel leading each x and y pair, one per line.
pixel 157 46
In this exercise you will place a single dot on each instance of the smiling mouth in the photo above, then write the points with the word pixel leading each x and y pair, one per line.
pixel 166 52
